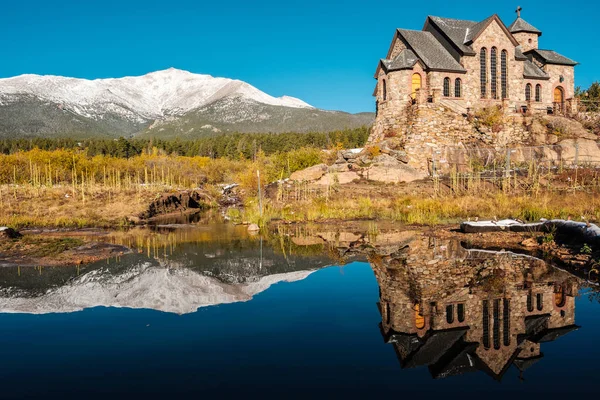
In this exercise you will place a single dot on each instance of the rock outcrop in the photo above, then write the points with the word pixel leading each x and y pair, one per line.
pixel 8 233
pixel 310 174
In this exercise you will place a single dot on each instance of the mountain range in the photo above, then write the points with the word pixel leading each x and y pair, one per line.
pixel 163 104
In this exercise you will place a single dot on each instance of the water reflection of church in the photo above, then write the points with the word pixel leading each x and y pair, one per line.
pixel 457 311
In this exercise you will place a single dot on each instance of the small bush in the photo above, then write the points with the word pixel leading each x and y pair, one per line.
pixel 491 117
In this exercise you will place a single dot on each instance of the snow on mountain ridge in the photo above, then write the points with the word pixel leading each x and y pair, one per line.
pixel 151 96
pixel 146 286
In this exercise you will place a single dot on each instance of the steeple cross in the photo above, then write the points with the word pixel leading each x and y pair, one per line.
pixel 519 9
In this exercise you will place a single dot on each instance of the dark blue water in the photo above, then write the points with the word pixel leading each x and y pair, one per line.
pixel 317 337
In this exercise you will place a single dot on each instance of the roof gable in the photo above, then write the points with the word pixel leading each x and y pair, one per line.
pixel 429 50
pixel 475 31
pixel 454 30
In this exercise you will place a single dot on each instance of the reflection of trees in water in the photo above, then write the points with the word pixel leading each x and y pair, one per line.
pixel 225 253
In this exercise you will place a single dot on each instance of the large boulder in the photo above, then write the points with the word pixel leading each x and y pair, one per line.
pixel 310 174
pixel 585 150
pixel 393 173
pixel 341 178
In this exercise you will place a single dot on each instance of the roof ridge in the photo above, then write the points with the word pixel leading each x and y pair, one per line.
pixel 451 19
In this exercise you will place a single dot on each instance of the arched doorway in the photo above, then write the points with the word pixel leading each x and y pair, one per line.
pixel 416 85
pixel 559 99
pixel 419 318
pixel 559 95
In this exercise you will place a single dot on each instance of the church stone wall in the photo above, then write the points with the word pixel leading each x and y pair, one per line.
pixel 528 41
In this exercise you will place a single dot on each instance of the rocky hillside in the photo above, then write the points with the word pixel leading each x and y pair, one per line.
pixel 165 104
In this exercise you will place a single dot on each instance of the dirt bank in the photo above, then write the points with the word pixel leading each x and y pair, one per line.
pixel 56 249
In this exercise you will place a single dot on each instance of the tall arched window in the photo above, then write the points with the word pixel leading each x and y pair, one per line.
pixel 494 73
pixel 528 92
pixel 496 328
pixel 457 88
pixel 504 73
pixel 540 301
pixel 485 316
pixel 483 72
pixel 446 87
pixel 506 322
pixel 450 313
pixel 384 89
pixel 538 93
pixel 460 312
pixel 529 302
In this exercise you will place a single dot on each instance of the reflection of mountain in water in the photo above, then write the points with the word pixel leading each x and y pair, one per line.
pixel 196 275
pixel 457 311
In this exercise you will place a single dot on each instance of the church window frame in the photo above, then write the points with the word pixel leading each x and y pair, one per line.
pixel 494 73
pixel 458 88
pixel 538 93
pixel 483 72
pixel 528 92
pixel 504 74
pixel 446 91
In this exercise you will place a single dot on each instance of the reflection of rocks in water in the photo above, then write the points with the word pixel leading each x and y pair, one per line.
pixel 456 311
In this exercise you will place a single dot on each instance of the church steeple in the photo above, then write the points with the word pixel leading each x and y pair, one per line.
pixel 526 34
pixel 520 25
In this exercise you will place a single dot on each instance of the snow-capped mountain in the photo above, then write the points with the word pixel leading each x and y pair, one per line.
pixel 37 105
pixel 152 96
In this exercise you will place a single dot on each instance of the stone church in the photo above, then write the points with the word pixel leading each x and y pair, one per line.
pixel 469 65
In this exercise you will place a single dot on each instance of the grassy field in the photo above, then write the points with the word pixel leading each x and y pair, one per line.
pixel 67 188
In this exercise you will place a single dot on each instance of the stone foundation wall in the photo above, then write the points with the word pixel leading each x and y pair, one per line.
pixel 431 130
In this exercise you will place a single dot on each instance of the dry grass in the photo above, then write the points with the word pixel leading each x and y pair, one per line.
pixel 28 206
pixel 411 209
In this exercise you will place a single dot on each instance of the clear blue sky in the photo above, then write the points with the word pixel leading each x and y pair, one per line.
pixel 322 51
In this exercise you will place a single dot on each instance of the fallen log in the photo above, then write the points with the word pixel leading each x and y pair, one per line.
pixel 582 231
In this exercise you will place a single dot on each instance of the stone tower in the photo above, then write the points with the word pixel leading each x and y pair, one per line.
pixel 526 34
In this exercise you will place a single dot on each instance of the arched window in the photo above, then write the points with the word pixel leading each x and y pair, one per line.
pixel 446 87
pixel 486 325
pixel 457 88
pixel 450 313
pixel 460 312
pixel 494 73
pixel 540 301
pixel 559 296
pixel 538 93
pixel 528 92
pixel 506 322
pixel 496 328
pixel 529 302
pixel 504 73
pixel 415 85
pixel 483 72
pixel 384 90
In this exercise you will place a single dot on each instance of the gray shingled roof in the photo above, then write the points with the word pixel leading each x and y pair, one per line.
pixel 456 30
pixel 519 54
pixel 520 25
pixel 430 51
pixel 552 57
pixel 532 71
pixel 405 60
